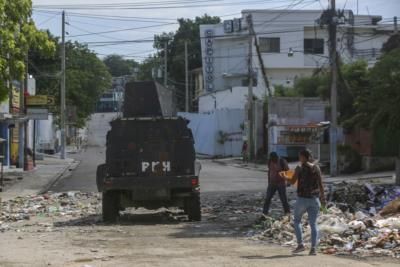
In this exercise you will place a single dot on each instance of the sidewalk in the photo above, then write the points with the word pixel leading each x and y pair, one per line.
pixel 26 183
pixel 385 177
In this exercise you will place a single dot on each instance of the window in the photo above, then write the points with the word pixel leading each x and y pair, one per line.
pixel 313 46
pixel 270 45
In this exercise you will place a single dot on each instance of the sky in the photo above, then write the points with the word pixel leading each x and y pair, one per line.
pixel 145 22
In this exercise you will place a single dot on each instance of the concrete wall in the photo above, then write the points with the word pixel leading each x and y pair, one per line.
pixel 296 110
pixel 98 126
pixel 206 128
pixel 360 140
pixel 235 98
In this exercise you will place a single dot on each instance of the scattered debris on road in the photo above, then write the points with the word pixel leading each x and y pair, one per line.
pixel 361 219
pixel 69 204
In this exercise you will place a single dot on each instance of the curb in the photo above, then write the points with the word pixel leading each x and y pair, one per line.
pixel 236 165
pixel 327 179
pixel 58 176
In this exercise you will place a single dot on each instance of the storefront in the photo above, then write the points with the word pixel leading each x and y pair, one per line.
pixel 289 140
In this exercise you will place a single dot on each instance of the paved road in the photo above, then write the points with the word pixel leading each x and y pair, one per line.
pixel 84 176
pixel 149 239
pixel 214 176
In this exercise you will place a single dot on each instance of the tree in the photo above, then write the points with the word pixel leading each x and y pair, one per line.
pixel 377 102
pixel 285 91
pixel 87 78
pixel 18 33
pixel 385 94
pixel 392 43
pixel 147 67
pixel 118 66
pixel 189 30
pixel 355 88
pixel 385 98
pixel 313 86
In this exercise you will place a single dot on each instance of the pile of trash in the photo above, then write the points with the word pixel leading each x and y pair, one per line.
pixel 343 232
pixel 68 204
pixel 362 197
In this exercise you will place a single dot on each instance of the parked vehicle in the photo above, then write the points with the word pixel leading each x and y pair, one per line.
pixel 47 136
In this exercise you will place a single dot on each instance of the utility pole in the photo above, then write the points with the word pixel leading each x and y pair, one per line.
pixel 26 123
pixel 21 128
pixel 62 102
pixel 357 7
pixel 332 27
pixel 396 30
pixel 250 91
pixel 166 63
pixel 186 79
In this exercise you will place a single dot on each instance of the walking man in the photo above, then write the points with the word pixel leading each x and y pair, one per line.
pixel 245 156
pixel 276 182
pixel 310 196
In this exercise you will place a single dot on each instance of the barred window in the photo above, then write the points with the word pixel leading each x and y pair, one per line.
pixel 313 46
pixel 270 45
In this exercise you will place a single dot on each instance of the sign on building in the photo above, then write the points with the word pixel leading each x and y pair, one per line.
pixel 209 68
pixel 37 113
pixel 40 100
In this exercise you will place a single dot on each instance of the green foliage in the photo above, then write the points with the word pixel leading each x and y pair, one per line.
pixel 189 30
pixel 376 100
pixel 285 91
pixel 146 68
pixel 392 43
pixel 87 78
pixel 18 34
pixel 313 86
pixel 118 66
pixel 354 94
pixel 385 94
pixel 385 142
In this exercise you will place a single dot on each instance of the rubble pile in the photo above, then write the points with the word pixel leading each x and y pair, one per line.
pixel 366 197
pixel 363 220
pixel 68 204
pixel 341 233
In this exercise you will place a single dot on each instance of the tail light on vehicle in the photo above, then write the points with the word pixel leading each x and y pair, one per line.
pixel 195 182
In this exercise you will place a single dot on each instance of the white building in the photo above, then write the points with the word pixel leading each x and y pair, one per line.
pixel 291 44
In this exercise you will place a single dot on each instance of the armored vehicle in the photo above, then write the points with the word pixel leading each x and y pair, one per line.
pixel 150 157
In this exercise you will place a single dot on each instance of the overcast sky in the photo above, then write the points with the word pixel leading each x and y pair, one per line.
pixel 78 25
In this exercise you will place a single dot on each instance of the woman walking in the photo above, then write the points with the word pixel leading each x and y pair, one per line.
pixel 310 197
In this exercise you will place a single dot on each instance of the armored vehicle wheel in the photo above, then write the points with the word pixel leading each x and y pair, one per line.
pixel 110 206
pixel 192 208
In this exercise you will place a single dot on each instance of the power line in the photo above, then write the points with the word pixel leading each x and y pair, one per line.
pixel 49 19
pixel 122 30
pixel 92 33
pixel 291 5
pixel 155 5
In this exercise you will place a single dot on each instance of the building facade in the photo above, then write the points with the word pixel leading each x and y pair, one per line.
pixel 291 44
pixel 111 101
